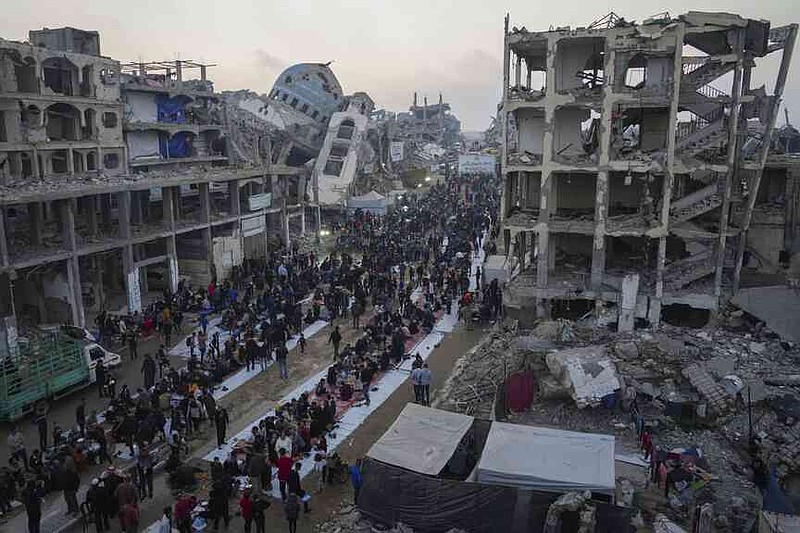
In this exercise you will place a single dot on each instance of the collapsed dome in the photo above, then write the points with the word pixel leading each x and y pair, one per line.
pixel 311 88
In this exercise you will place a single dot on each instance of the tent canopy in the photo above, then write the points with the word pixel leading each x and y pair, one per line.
pixel 421 439
pixel 547 459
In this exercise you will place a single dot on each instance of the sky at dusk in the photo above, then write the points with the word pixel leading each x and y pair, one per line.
pixel 388 48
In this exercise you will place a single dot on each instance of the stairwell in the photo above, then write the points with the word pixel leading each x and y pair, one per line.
pixel 680 273
pixel 695 204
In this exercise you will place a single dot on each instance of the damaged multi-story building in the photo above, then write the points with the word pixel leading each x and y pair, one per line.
pixel 626 181
pixel 119 180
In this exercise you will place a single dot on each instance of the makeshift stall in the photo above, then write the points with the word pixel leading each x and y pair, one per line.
pixel 373 201
pixel 545 459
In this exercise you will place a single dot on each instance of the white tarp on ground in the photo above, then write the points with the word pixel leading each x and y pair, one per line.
pixel 588 372
pixel 547 459
pixel 421 439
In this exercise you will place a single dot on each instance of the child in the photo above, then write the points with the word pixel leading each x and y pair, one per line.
pixel 301 342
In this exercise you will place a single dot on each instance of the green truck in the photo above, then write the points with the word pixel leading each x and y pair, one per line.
pixel 44 370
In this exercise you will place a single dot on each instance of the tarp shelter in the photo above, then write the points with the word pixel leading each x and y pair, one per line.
pixel 373 202
pixel 421 439
pixel 547 459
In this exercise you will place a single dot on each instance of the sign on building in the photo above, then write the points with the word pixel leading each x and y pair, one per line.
pixel 253 226
pixel 396 151
pixel 134 292
pixel 260 201
pixel 476 164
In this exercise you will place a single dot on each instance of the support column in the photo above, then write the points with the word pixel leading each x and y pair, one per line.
pixel 68 224
pixel 627 311
pixel 599 248
pixel 75 293
pixel 4 259
pixel 303 220
pixel 205 202
pixel 285 226
pixel 168 208
pixel 233 194
pixel 36 215
pixel 105 209
pixel 37 170
pixel 70 162
pixel 208 244
pixel 132 287
pixel 780 82
pixel 654 310
pixel 94 227
pixel 318 213
pixel 732 162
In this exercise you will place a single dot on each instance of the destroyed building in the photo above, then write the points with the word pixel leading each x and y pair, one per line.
pixel 117 180
pixel 625 178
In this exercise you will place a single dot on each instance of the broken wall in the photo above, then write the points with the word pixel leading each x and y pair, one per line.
pixel 140 107
pixel 567 131
pixel 143 144
pixel 530 127
pixel 571 57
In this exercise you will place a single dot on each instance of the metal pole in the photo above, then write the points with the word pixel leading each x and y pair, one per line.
pixel 749 421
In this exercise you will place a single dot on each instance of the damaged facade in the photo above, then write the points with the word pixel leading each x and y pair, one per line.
pixel 625 180
pixel 121 179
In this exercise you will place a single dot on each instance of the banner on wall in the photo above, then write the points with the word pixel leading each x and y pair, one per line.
pixel 476 164
pixel 134 292
pixel 396 151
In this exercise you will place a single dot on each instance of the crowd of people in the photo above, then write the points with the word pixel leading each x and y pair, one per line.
pixel 393 276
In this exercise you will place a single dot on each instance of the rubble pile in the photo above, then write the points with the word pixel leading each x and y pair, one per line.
pixel 347 519
pixel 474 382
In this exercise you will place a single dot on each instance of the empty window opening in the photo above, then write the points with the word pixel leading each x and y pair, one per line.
pixel 579 63
pixel 346 129
pixel 89 123
pixel 575 195
pixel 315 114
pixel 3 135
pixel 77 161
pixel 87 81
pixel 576 135
pixel 571 309
pixel 628 254
pixel 59 162
pixel 63 122
pixel 333 168
pixel 27 166
pixel 25 71
pixel 111 161
pixel 304 108
pixel 284 96
pixel 339 150
pixel 91 161
pixel 638 130
pixel 294 102
pixel 573 254
pixel 109 120
pixel 636 72
pixel 30 116
pixel 60 75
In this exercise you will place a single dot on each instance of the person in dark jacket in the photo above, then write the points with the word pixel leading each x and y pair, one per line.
pixel 294 485
pixel 221 421
pixel 218 502
pixel 32 498
pixel 291 508
pixel 149 371
pixel 260 505
pixel 69 483
pixel 97 498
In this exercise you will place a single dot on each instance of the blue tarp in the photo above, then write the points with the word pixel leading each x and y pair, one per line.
pixel 176 146
pixel 774 499
pixel 171 110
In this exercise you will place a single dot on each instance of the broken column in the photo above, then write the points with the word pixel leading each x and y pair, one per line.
pixel 627 311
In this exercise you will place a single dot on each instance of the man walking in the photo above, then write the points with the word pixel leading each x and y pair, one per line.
pixel 144 466
pixel 80 416
pixel 415 384
pixel 281 356
pixel 425 384
pixel 335 338
pixel 366 381
pixel 221 421
pixel 149 371
pixel 133 344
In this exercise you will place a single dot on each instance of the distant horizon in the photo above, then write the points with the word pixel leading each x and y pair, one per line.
pixel 385 49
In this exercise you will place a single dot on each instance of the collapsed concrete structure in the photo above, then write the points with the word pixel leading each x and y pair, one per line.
pixel 625 177
pixel 120 179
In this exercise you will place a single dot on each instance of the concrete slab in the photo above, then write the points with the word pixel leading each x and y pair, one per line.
pixel 778 307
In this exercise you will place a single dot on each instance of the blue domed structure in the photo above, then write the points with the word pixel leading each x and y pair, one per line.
pixel 311 89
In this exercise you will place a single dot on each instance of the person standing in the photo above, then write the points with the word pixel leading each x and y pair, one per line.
pixel 69 482
pixel 41 426
pixel 165 523
pixel 144 466
pixel 246 509
pixel 96 498
pixel 100 377
pixel 80 416
pixel 260 505
pixel 335 338
pixel 425 384
pixel 284 471
pixel 296 488
pixel 218 503
pixel 125 494
pixel 16 445
pixel 133 344
pixel 301 343
pixel 415 384
pixel 221 422
pixel 291 508
pixel 356 480
pixel 149 371
pixel 32 498
pixel 281 356
pixel 366 380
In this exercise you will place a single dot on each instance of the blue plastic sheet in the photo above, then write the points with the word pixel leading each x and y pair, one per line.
pixel 176 146
pixel 774 499
pixel 171 110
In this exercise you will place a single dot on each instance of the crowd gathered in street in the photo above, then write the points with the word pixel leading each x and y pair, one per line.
pixel 390 278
